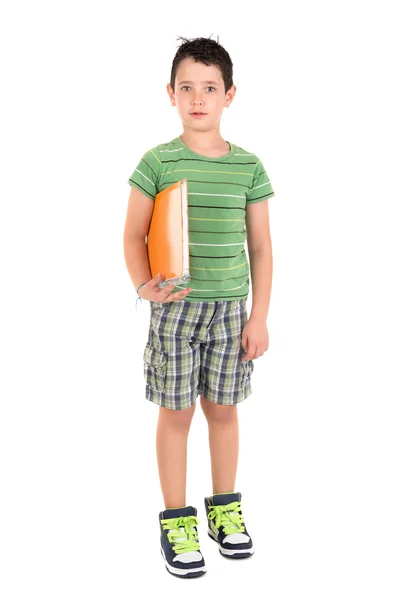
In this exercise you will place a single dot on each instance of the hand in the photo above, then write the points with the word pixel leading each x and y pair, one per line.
pixel 255 339
pixel 151 291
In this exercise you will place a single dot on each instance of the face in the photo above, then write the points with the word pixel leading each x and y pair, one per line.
pixel 199 88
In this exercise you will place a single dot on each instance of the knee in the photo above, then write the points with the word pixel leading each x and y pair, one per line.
pixel 180 420
pixel 216 414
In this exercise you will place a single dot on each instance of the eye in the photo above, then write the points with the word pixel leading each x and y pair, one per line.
pixel 211 88
pixel 185 86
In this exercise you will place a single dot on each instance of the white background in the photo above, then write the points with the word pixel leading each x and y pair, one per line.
pixel 84 96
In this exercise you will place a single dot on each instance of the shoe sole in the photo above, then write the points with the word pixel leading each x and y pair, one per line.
pixel 227 553
pixel 183 573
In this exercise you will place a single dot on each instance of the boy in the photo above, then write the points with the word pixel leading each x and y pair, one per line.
pixel 200 339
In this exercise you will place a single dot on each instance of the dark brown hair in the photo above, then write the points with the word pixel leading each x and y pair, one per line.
pixel 207 51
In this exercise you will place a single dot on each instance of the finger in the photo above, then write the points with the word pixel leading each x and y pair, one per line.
pixel 257 352
pixel 168 288
pixel 179 295
pixel 155 283
pixel 250 353
pixel 251 350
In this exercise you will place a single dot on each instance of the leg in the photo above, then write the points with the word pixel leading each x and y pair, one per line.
pixel 223 430
pixel 171 443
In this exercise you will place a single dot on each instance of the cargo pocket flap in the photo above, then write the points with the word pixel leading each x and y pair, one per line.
pixel 153 356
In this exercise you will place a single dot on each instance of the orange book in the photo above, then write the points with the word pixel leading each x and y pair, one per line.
pixel 168 235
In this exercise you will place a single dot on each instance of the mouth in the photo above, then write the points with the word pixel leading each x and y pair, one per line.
pixel 197 114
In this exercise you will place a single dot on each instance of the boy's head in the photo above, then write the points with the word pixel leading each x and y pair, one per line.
pixel 206 51
pixel 201 80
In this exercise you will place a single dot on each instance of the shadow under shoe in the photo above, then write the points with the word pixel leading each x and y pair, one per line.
pixel 180 545
pixel 226 525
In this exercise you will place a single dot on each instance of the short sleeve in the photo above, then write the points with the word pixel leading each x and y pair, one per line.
pixel 261 188
pixel 147 173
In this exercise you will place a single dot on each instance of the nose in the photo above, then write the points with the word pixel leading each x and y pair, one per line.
pixel 197 98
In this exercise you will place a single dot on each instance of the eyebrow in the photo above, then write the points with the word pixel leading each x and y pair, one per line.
pixel 213 82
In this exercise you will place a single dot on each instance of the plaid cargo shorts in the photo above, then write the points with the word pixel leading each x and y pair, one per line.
pixel 196 348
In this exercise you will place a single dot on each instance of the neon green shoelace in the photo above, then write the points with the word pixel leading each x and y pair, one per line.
pixel 182 533
pixel 228 517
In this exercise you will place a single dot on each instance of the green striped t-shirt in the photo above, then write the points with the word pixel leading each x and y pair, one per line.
pixel 219 189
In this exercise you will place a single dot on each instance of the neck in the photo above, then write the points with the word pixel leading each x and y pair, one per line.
pixel 204 140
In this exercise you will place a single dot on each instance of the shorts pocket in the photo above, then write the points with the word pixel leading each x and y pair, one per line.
pixel 155 367
pixel 247 369
pixel 157 306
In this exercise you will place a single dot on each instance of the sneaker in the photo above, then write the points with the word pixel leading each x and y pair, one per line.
pixel 180 545
pixel 226 525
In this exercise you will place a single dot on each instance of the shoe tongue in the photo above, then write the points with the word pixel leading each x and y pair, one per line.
pixel 219 499
pixel 174 513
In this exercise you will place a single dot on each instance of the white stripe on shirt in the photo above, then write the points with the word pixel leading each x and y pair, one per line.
pixel 142 174
pixel 222 195
pixel 226 290
pixel 193 244
pixel 256 188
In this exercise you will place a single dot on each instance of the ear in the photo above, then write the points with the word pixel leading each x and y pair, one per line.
pixel 171 94
pixel 230 94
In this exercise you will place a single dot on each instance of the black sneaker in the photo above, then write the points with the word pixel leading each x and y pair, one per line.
pixel 180 546
pixel 226 525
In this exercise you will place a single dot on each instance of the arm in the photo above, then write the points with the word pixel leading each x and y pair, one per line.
pixel 138 217
pixel 139 213
pixel 260 255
